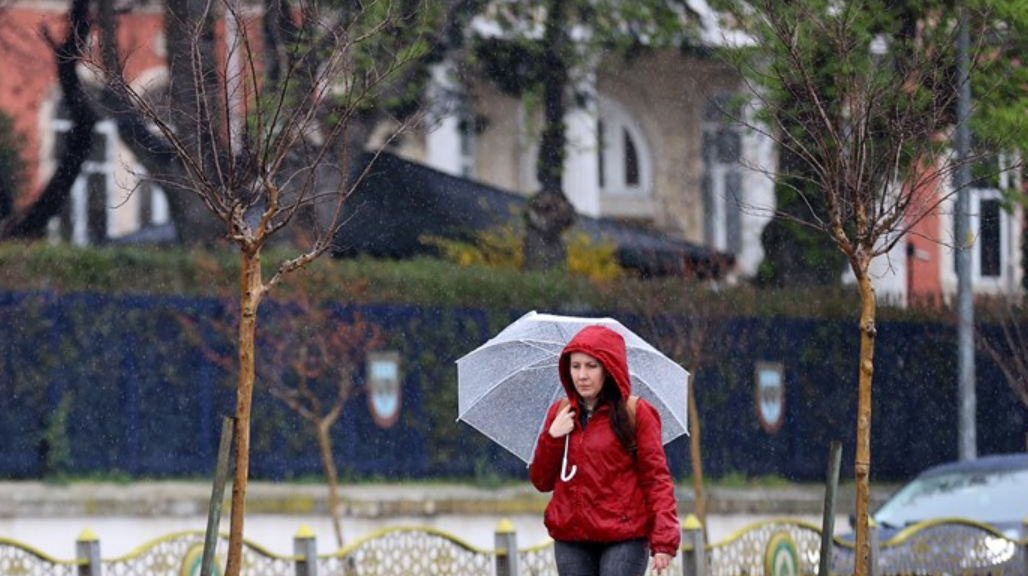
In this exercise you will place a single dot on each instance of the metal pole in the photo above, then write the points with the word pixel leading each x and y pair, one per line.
pixel 967 447
pixel 694 553
pixel 828 520
pixel 87 550
pixel 305 546
pixel 217 496
pixel 506 539
pixel 876 547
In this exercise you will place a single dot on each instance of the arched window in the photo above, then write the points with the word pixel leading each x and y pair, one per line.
pixel 624 162
pixel 467 136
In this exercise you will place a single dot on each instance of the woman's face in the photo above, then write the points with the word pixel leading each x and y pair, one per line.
pixel 588 376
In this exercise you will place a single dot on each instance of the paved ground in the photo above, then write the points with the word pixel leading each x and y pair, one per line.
pixel 171 499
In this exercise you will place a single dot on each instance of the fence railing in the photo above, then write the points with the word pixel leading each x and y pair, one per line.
pixel 951 546
pixel 772 548
pixel 793 548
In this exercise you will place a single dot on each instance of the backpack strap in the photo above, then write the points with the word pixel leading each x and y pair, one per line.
pixel 631 404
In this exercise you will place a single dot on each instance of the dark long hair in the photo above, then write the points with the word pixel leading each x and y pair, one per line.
pixel 620 421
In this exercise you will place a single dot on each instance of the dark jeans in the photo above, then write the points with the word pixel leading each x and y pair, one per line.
pixel 628 558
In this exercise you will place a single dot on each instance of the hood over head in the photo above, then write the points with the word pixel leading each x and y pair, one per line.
pixel 605 345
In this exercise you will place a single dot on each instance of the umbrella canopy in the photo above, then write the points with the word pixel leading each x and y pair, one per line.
pixel 506 385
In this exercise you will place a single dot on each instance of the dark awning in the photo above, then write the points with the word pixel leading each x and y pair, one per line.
pixel 399 202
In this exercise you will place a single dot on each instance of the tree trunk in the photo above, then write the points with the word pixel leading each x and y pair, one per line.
pixel 31 221
pixel 862 463
pixel 250 293
pixel 194 112
pixel 549 212
pixel 325 446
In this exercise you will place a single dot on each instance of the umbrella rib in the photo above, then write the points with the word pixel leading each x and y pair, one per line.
pixel 564 333
pixel 536 344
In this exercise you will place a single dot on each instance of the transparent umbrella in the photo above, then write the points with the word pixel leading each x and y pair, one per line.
pixel 506 385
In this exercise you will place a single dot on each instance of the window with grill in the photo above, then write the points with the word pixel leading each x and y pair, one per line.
pixel 722 178
pixel 111 196
pixel 990 238
pixel 84 220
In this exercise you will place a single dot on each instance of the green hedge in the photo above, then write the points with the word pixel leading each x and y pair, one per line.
pixel 422 282
pixel 67 339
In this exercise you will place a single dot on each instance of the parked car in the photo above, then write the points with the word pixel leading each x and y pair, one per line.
pixel 992 490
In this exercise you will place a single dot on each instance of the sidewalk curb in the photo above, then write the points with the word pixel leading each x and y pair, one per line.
pixel 185 499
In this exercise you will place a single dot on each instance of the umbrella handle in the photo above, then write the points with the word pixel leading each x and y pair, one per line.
pixel 565 475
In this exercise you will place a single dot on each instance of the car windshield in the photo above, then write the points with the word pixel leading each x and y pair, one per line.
pixel 990 496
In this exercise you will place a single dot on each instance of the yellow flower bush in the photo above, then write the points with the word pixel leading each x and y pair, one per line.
pixel 503 247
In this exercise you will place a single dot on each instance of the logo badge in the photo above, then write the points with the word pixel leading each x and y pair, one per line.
pixel 781 557
pixel 384 389
pixel 770 395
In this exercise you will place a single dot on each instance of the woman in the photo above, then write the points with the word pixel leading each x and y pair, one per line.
pixel 613 502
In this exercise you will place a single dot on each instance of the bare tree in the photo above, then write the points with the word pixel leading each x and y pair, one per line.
pixel 863 102
pixel 311 360
pixel 293 36
pixel 278 159
pixel 308 360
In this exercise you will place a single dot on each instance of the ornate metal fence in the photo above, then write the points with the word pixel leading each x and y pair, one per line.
pixel 390 552
pixel 771 548
pixel 941 547
pixel 749 551
pixel 407 551
pixel 786 547
pixel 537 561
pixel 17 558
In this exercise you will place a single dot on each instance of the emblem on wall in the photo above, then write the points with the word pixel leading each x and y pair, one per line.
pixel 384 388
pixel 770 395
pixel 781 557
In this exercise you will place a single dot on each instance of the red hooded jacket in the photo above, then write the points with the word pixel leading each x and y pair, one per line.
pixel 611 497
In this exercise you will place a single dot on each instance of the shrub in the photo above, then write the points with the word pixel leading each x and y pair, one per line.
pixel 423 282
pixel 503 247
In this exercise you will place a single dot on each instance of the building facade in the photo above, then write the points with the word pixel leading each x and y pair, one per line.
pixel 654 145
pixel 110 199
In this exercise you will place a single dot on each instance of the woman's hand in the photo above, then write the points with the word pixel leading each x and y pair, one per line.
pixel 563 423
pixel 661 561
